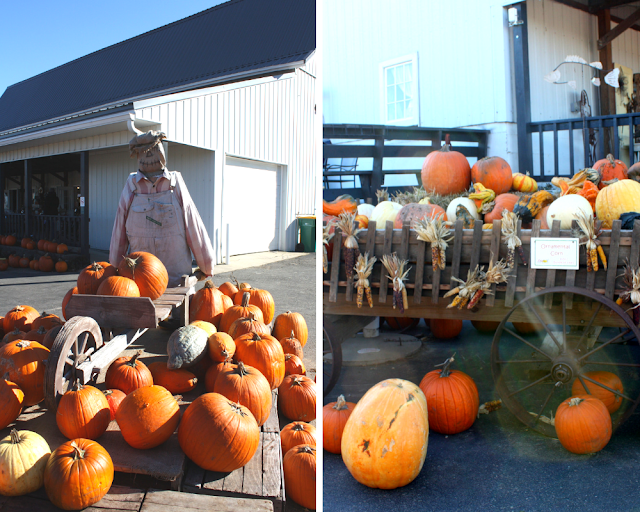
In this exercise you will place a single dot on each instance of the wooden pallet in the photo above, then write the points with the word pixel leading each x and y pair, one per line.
pixel 261 478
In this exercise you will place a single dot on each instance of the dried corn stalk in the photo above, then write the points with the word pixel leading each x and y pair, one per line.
pixel 631 291
pixel 347 224
pixel 382 195
pixel 436 232
pixel 326 238
pixel 511 238
pixel 467 288
pixel 498 273
pixel 363 269
pixel 397 275
pixel 589 239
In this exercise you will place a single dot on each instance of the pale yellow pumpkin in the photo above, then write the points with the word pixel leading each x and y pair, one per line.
pixel 524 183
pixel 384 211
pixel 616 199
pixel 23 458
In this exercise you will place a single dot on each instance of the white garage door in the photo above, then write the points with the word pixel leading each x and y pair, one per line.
pixel 251 202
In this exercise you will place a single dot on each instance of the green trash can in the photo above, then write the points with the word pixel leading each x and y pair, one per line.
pixel 307 230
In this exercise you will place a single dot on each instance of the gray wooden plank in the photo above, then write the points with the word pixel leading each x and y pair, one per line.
pixel 335 266
pixel 384 281
pixel 494 255
pixel 213 481
pixel 551 273
pixel 634 254
pixel 114 312
pixel 163 312
pixel 612 260
pixel 252 483
pixel 178 290
pixel 271 462
pixel 456 253
pixel 531 274
pixel 193 478
pixel 511 283
pixel 570 279
pixel 476 245
pixel 371 238
pixel 157 500
pixel 272 424
pixel 234 480
pixel 403 253
pixel 419 279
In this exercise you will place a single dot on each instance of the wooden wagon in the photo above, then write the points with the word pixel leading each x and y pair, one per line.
pixel 581 330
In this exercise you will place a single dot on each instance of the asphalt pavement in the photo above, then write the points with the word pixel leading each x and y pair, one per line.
pixel 499 464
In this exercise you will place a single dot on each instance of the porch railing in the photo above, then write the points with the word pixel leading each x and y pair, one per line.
pixel 346 145
pixel 61 228
pixel 576 144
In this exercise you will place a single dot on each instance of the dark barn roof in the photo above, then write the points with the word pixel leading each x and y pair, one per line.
pixel 239 36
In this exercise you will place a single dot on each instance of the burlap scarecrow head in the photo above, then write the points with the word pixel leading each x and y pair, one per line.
pixel 147 147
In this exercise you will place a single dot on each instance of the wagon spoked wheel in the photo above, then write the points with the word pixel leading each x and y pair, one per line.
pixel 331 362
pixel 79 338
pixel 582 332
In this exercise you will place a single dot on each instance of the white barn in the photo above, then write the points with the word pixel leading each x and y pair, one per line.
pixel 234 91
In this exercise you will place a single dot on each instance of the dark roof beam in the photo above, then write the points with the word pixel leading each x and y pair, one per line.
pixel 618 29
pixel 599 5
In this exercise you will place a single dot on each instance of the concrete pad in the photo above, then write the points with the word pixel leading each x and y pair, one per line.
pixel 388 347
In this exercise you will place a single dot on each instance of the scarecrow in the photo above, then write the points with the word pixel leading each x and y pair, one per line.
pixel 156 214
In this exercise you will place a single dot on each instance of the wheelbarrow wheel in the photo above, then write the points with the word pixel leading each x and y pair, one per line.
pixel 575 332
pixel 77 341
pixel 331 362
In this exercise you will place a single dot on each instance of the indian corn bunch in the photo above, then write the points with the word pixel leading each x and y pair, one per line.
pixel 631 291
pixel 363 269
pixel 589 239
pixel 467 289
pixel 436 232
pixel 510 237
pixel 498 273
pixel 347 224
pixel 397 275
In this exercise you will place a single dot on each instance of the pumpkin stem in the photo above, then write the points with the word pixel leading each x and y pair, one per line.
pixel 16 330
pixel 235 282
pixel 132 362
pixel 245 299
pixel 96 266
pixel 305 448
pixel 341 404
pixel 576 400
pixel 242 369
pixel 132 264
pixel 23 343
pixel 446 370
pixel 15 436
pixel 78 453
pixel 77 384
pixel 209 284
pixel 611 159
pixel 298 426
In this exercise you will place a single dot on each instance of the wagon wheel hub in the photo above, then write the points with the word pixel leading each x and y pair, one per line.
pixel 562 372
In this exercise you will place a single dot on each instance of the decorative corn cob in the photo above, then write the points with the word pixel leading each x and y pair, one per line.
pixel 363 269
pixel 467 289
pixel 510 237
pixel 589 239
pixel 631 291
pixel 498 273
pixel 436 232
pixel 397 275
pixel 483 197
pixel 326 238
pixel 346 222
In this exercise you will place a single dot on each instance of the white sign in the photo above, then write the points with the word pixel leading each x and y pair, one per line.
pixel 81 201
pixel 555 253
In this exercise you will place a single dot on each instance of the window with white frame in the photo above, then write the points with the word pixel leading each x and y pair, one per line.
pixel 399 91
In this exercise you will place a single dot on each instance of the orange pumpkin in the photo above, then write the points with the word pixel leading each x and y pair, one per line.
pixel 45 263
pixel 11 401
pixel 343 203
pixel 234 312
pixel 128 374
pixel 494 173
pixel 229 289
pixel 609 399
pixel 452 399
pixel 14 260
pixel 485 326
pixel 299 466
pixel 610 169
pixel 413 212
pixel 400 322
pixel 291 322
pixel 20 317
pixel 204 433
pixel 36 335
pixel 10 240
pixel 4 264
pixel 148 416
pixel 263 352
pixel 31 246
pixel 62 248
pixel 24 262
pixel 247 325
pixel 118 286
pixel 114 398
pixel 583 424
pixel 91 277
pixel 445 171
pixel 542 216
pixel 61 266
pixel 83 412
pixel 46 320
pixel 66 300
pixel 50 337
pixel 524 183
pixel 334 418
pixel 41 244
pixel 207 304
pixel 16 334
pixel 297 433
pixel 78 474
pixel 148 272
pixel 445 329
pixel 176 381
pixel 221 347
pixel 297 398
pixel 23 361
pixel 502 202
pixel 212 374
pixel 293 365
pixel 246 386
pixel 363 221
pixel 260 298
pixel 291 345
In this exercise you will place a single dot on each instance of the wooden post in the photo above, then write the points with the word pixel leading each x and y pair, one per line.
pixel 523 92
pixel 376 172
pixel 84 210
pixel 28 198
pixel 607 93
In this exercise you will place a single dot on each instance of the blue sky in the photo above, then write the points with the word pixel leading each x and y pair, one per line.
pixel 38 35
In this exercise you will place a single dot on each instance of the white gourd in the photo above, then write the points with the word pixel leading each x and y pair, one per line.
pixel 365 209
pixel 464 201
pixel 565 209
pixel 384 211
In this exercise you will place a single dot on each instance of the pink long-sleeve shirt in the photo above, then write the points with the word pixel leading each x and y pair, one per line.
pixel 196 234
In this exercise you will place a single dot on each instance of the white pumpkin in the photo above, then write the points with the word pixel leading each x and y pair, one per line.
pixel 23 458
pixel 365 209
pixel 565 209
pixel 384 211
pixel 467 203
